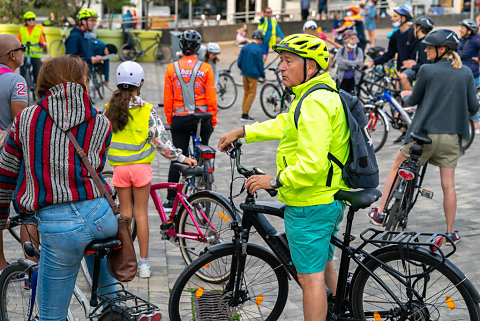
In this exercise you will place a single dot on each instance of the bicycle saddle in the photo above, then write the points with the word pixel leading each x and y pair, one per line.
pixel 421 138
pixel 202 116
pixel 188 171
pixel 273 208
pixel 359 199
pixel 99 245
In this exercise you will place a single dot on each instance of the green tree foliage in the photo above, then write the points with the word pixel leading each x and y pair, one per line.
pixel 12 11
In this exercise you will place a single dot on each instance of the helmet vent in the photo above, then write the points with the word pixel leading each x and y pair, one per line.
pixel 314 47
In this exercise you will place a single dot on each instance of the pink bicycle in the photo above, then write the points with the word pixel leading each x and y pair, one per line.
pixel 196 221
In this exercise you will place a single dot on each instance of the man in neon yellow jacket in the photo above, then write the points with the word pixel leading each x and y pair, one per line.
pixel 312 215
pixel 270 28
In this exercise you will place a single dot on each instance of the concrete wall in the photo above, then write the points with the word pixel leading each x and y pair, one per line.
pixel 228 32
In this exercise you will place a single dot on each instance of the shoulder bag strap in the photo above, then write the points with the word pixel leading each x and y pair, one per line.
pixel 93 173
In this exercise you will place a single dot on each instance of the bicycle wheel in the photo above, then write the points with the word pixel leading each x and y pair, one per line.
pixel 99 86
pixel 271 100
pixel 226 91
pixel 162 54
pixel 236 73
pixel 56 47
pixel 213 218
pixel 377 127
pixel 15 293
pixel 439 295
pixel 466 144
pixel 264 288
pixel 127 53
pixel 30 83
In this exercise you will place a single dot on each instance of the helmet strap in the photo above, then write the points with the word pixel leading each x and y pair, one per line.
pixel 304 69
pixel 438 58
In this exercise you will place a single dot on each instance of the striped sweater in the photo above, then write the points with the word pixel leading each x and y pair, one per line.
pixel 39 166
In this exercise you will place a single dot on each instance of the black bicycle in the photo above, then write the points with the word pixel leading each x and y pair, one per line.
pixel 28 67
pixel 226 90
pixel 407 187
pixel 402 279
pixel 272 96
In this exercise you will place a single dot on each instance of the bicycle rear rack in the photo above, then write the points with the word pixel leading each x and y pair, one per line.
pixel 126 304
pixel 417 239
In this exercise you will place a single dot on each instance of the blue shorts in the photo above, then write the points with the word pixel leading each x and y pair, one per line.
pixel 411 74
pixel 322 7
pixel 309 230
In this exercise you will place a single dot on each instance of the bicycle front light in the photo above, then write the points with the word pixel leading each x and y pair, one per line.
pixel 406 174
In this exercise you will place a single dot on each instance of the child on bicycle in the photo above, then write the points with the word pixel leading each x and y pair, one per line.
pixel 100 48
pixel 209 54
pixel 137 131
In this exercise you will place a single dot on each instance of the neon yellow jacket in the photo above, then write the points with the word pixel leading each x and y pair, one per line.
pixel 302 154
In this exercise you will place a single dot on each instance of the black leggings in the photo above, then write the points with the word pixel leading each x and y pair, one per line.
pixel 36 63
pixel 182 128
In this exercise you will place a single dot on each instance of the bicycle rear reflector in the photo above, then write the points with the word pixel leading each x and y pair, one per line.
pixel 450 303
pixel 406 174
pixel 376 316
pixel 208 155
pixel 223 216
pixel 207 265
pixel 259 299
pixel 199 292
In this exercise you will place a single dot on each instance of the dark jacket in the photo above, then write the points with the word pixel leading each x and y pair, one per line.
pixel 421 55
pixel 468 48
pixel 403 43
pixel 445 97
pixel 250 61
pixel 79 44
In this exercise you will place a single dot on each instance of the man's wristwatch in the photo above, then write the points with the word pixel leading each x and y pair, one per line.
pixel 275 182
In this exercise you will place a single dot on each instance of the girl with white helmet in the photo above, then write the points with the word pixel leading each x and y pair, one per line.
pixel 209 54
pixel 137 132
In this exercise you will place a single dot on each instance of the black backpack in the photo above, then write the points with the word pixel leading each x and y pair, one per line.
pixel 361 169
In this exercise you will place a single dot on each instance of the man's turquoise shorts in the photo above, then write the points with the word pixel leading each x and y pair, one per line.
pixel 309 230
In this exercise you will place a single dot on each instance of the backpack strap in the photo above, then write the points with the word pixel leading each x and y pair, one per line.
pixel 188 89
pixel 296 115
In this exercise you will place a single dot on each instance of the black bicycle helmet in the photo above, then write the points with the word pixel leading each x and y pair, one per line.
pixel 425 23
pixel 190 42
pixel 257 34
pixel 404 11
pixel 442 37
pixel 470 25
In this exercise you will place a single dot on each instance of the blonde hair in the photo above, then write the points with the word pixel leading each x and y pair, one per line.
pixel 456 61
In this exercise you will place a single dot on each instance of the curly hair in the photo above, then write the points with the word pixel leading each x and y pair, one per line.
pixel 117 111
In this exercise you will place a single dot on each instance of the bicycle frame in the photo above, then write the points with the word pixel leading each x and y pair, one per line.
pixel 138 44
pixel 179 198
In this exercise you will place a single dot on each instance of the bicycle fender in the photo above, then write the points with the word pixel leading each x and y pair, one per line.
pixel 218 197
pixel 26 263
pixel 458 273
pixel 385 118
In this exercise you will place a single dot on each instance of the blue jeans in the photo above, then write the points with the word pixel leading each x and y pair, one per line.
pixel 65 230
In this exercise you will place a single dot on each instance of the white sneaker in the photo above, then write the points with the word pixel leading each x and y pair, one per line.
pixel 144 271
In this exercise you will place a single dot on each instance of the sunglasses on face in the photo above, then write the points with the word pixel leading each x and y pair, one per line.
pixel 22 48
pixel 31 19
pixel 268 12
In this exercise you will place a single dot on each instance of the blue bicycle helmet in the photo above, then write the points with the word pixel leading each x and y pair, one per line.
pixel 404 11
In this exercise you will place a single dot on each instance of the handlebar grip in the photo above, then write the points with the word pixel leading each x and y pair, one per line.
pixel 272 192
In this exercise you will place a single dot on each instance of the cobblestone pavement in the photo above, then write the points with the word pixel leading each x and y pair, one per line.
pixel 427 215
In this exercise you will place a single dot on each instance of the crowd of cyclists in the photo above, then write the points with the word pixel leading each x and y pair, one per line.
pixel 438 71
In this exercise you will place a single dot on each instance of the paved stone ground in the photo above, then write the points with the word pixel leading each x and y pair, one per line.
pixel 427 215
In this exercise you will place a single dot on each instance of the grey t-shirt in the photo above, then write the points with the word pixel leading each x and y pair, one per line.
pixel 13 87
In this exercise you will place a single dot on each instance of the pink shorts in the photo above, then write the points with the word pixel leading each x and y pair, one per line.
pixel 137 175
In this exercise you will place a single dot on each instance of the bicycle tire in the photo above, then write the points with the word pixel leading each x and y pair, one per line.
pixel 56 46
pixel 226 91
pixel 469 142
pixel 127 53
pixel 444 282
pixel 377 127
pixel 30 83
pixel 236 73
pixel 261 266
pixel 219 216
pixel 162 54
pixel 15 293
pixel 271 100
pixel 99 86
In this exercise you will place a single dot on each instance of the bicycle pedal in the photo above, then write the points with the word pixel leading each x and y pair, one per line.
pixel 426 193
pixel 166 225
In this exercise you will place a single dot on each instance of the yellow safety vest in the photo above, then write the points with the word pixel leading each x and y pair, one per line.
pixel 130 146
pixel 264 26
pixel 34 38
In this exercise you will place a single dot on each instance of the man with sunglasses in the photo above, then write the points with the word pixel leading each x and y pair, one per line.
pixel 32 33
pixel 270 28
pixel 79 42
pixel 13 93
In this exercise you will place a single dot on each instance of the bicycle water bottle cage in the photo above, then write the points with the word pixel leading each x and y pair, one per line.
pixel 188 89
pixel 207 152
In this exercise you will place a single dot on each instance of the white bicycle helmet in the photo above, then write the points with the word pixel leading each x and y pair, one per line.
pixel 130 73
pixel 213 47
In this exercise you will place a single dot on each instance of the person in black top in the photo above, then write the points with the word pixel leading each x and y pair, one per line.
pixel 423 26
pixel 402 41
pixel 445 95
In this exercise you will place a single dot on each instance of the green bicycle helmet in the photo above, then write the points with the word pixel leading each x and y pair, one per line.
pixel 87 13
pixel 306 46
pixel 29 15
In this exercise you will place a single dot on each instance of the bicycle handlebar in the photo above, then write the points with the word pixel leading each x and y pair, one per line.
pixel 235 153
